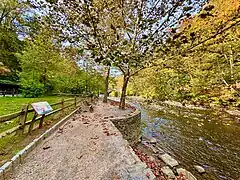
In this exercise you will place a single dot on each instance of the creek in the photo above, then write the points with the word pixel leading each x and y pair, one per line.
pixel 208 138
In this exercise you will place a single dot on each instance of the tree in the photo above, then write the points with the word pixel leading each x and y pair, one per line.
pixel 10 13
pixel 125 34
pixel 9 45
pixel 202 61
pixel 106 84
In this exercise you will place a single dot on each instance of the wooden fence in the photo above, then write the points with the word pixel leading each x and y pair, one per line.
pixel 23 114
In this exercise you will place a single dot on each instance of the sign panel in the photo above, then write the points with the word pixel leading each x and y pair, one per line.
pixel 42 107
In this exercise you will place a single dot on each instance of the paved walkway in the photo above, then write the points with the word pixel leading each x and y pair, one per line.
pixel 88 146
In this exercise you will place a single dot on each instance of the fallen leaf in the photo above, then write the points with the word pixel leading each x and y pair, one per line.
pixel 148 175
pixel 46 147
pixel 79 157
pixel 95 137
pixel 116 178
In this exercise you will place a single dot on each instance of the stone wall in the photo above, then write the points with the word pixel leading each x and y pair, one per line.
pixel 129 126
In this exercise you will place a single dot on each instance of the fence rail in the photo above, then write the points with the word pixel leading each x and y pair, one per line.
pixel 9 117
pixel 23 114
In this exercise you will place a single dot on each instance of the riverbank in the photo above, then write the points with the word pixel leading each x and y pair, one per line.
pixel 158 105
pixel 88 146
pixel 194 137
pixel 162 164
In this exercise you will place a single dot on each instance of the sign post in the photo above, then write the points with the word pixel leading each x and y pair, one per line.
pixel 40 108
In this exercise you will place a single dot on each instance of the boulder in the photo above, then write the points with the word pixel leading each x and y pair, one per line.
pixel 186 173
pixel 137 171
pixel 199 169
pixel 169 160
pixel 153 141
pixel 168 172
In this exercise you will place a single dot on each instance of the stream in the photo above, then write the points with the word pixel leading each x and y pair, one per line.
pixel 207 138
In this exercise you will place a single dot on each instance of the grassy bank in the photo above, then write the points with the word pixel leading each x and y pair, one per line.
pixel 11 144
pixel 13 104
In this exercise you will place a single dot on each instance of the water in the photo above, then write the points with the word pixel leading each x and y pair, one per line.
pixel 197 137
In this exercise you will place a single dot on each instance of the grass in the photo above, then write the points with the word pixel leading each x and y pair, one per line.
pixel 11 144
pixel 13 104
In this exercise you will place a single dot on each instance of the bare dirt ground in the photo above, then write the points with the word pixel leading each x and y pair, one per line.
pixel 88 146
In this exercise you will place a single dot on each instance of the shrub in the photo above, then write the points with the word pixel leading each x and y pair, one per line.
pixel 31 88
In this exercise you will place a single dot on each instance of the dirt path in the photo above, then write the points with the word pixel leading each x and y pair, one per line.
pixel 88 146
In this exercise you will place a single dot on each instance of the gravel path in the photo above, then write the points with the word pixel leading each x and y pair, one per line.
pixel 88 146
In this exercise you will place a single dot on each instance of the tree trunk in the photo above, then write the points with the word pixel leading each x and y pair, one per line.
pixel 106 85
pixel 45 77
pixel 86 78
pixel 124 91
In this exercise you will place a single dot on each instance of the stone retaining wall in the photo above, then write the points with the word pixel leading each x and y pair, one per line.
pixel 129 126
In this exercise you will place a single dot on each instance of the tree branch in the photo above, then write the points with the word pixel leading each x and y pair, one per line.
pixel 215 35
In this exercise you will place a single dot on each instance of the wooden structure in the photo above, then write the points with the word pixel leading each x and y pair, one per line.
pixel 22 116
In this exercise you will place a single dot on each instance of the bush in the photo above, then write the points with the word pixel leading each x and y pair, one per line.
pixel 31 88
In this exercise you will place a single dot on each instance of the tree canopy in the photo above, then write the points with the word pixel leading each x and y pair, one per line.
pixel 182 49
pixel 129 35
pixel 203 65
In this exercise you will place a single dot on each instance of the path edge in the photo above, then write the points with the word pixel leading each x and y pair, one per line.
pixel 129 126
pixel 9 167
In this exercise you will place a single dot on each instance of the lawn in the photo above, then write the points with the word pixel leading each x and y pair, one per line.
pixel 13 104
pixel 11 144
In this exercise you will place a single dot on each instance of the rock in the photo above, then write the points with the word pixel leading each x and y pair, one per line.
pixel 137 171
pixel 168 172
pixel 91 109
pixel 153 149
pixel 153 141
pixel 169 160
pixel 145 143
pixel 160 150
pixel 199 169
pixel 186 173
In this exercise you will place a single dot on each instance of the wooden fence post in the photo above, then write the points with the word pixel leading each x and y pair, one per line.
pixel 75 101
pixel 62 104
pixel 22 119
pixel 32 123
pixel 41 121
